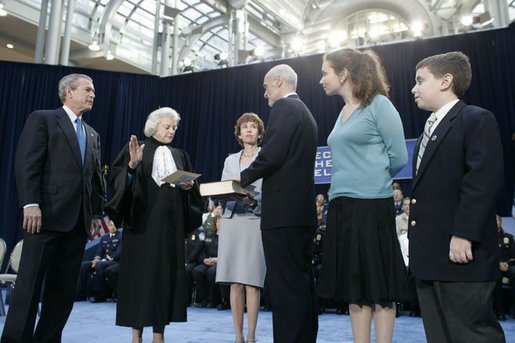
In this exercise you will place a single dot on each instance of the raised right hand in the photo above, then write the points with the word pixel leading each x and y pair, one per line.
pixel 135 152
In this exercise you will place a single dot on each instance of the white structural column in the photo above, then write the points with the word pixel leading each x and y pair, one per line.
pixel 54 32
pixel 157 20
pixel 65 48
pixel 240 34
pixel 40 37
pixel 499 11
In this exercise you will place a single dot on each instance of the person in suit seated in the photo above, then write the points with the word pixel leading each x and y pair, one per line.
pixel 61 191
pixel 397 201
pixel 92 273
pixel 401 220
pixel 111 279
pixel 194 245
pixel 321 205
pixel 504 292
pixel 204 273
pixel 457 173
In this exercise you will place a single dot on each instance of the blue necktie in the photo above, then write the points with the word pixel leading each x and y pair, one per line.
pixel 81 138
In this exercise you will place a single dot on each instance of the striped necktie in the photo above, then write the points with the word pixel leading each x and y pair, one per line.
pixel 427 132
pixel 81 137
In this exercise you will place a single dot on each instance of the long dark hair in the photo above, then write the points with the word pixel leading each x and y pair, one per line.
pixel 366 72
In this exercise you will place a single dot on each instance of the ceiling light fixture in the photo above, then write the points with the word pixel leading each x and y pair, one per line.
pixel 94 44
pixel 3 12
pixel 9 46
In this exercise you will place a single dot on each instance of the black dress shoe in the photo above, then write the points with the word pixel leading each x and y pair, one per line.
pixel 211 304
pixel 97 299
pixel 342 310
pixel 223 306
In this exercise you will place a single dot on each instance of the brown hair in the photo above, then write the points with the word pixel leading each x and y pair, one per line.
pixel 455 63
pixel 249 117
pixel 367 74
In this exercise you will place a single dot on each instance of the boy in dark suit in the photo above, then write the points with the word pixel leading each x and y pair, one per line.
pixel 457 168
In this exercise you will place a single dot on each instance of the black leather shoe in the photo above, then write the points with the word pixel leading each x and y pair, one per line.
pixel 210 304
pixel 223 306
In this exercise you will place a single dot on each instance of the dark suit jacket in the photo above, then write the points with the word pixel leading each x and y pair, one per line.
pixel 286 163
pixel 454 193
pixel 49 170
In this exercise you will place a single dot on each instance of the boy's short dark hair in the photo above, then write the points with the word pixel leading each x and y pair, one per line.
pixel 455 63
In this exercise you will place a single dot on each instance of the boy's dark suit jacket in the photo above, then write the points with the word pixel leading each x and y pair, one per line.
pixel 454 193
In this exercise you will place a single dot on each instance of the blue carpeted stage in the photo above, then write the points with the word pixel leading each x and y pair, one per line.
pixel 94 323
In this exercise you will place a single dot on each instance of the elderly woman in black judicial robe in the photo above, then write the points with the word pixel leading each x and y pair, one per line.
pixel 151 286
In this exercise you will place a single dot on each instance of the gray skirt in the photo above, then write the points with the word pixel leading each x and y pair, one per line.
pixel 240 251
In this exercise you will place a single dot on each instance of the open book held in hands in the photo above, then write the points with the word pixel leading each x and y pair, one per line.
pixel 179 176
pixel 225 189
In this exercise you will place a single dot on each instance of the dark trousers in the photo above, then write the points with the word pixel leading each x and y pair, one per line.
pixel 288 255
pixel 189 281
pixel 56 258
pixel 207 289
pixel 111 274
pixel 455 312
pixel 92 281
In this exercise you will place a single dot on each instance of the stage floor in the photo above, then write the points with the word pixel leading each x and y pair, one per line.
pixel 94 323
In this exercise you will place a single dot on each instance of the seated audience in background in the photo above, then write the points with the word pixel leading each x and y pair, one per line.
pixel 401 220
pixel 397 201
pixel 194 245
pixel 204 274
pixel 208 223
pixel 111 279
pixel 92 283
pixel 321 206
pixel 504 292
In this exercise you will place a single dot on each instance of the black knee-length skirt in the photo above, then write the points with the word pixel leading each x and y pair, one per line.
pixel 362 262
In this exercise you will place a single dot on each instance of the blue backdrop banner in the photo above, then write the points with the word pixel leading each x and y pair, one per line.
pixel 324 165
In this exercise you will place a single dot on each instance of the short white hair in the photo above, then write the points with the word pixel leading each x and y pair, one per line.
pixel 286 72
pixel 155 117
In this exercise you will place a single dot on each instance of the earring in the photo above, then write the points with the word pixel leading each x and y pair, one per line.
pixel 341 81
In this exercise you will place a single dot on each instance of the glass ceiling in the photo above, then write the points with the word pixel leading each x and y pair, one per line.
pixel 132 32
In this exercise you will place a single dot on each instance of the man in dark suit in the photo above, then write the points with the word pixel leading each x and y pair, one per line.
pixel 60 188
pixel 457 174
pixel 288 213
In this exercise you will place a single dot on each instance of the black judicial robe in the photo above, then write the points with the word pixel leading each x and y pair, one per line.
pixel 151 286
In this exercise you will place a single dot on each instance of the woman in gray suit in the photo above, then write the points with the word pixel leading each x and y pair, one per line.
pixel 241 261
